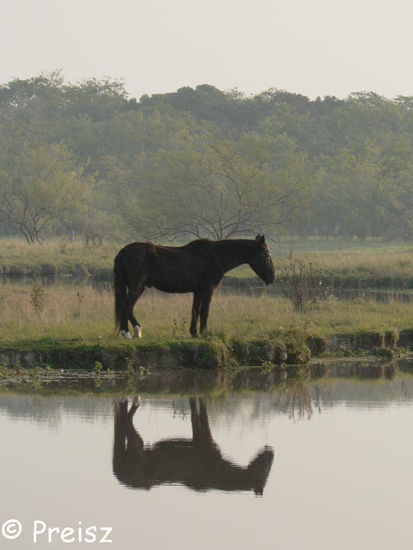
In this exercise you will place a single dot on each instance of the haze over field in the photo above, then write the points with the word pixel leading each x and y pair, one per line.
pixel 318 48
pixel 212 146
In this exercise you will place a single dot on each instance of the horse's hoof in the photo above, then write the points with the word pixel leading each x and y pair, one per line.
pixel 125 334
pixel 137 332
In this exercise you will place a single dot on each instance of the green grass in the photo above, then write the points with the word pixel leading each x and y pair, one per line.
pixel 336 244
pixel 377 263
pixel 54 257
pixel 73 317
pixel 382 263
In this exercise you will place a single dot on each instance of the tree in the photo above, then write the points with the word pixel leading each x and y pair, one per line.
pixel 39 187
pixel 219 190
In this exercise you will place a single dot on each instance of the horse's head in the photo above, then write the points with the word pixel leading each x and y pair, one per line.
pixel 261 261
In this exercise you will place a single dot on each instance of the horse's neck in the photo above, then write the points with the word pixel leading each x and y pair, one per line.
pixel 233 253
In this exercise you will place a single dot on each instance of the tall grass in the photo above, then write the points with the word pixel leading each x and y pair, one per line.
pixel 370 259
pixel 396 267
pixel 86 314
pixel 54 256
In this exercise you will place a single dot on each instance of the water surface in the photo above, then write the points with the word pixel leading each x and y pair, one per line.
pixel 323 465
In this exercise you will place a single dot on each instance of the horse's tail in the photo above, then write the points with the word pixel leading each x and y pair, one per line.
pixel 120 284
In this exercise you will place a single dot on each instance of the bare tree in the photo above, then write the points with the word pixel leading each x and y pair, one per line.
pixel 42 186
pixel 225 190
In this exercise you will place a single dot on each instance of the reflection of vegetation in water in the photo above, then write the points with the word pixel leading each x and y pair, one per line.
pixel 297 401
pixel 251 403
pixel 298 398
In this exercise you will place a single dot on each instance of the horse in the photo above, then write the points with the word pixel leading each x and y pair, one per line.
pixel 197 462
pixel 197 267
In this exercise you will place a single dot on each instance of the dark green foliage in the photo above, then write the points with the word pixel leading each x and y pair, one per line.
pixel 322 167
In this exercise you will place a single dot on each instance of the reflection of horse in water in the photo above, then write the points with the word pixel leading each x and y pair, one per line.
pixel 196 463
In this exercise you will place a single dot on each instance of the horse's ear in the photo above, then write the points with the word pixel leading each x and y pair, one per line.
pixel 260 238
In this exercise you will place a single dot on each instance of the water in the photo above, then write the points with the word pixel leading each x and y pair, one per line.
pixel 333 468
pixel 252 286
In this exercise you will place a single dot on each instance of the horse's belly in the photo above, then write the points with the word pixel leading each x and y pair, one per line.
pixel 172 284
pixel 180 282
pixel 175 288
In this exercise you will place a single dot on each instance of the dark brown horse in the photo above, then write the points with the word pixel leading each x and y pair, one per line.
pixel 197 462
pixel 197 267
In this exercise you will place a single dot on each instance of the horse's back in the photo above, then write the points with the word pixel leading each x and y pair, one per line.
pixel 182 268
pixel 134 249
pixel 138 248
pixel 185 268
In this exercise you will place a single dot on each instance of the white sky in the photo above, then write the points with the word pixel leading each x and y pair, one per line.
pixel 314 47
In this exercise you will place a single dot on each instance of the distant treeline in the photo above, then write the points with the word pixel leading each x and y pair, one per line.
pixel 201 162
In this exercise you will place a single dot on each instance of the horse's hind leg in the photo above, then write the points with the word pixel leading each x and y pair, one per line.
pixel 124 330
pixel 133 297
pixel 196 305
pixel 206 301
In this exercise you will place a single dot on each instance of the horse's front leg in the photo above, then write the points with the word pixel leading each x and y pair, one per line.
pixel 196 304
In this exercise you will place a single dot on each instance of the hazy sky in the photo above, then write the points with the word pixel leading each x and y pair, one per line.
pixel 314 47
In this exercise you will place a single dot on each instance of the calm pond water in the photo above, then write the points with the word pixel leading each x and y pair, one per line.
pixel 323 465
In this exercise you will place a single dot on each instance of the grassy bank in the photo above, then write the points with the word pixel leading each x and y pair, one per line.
pixel 370 264
pixel 64 321
pixel 387 267
pixel 68 319
pixel 62 313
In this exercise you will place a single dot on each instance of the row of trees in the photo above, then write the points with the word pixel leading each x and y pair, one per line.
pixel 201 162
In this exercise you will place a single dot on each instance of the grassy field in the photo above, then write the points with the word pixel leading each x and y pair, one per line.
pixel 57 313
pixel 33 317
pixel 54 257
pixel 381 263
pixel 348 263
pixel 344 246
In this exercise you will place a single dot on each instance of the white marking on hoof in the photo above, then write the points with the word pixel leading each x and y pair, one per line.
pixel 137 332
pixel 125 334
